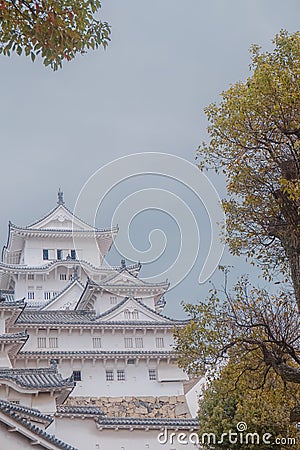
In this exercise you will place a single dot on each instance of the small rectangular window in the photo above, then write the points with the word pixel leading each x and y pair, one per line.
pixel 152 374
pixel 127 315
pixel 59 254
pixel 30 295
pixel 73 254
pixel 128 343
pixel 45 254
pixel 41 342
pixel 131 361
pixel 51 253
pixel 121 375
pixel 159 342
pixel 96 342
pixel 53 342
pixel 63 276
pixel 113 300
pixel 77 375
pixel 109 375
pixel 47 295
pixel 135 315
pixel 30 276
pixel 139 343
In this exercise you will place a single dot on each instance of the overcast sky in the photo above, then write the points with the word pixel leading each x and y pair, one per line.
pixel 167 60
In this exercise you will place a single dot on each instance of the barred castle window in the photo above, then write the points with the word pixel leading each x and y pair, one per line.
pixel 152 374
pixel 139 343
pixel 41 342
pixel 159 342
pixel 121 375
pixel 53 342
pixel 109 375
pixel 128 342
pixel 77 375
pixel 96 342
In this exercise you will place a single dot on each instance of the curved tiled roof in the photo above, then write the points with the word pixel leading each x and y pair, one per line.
pixel 47 378
pixel 12 304
pixel 56 317
pixel 32 413
pixel 91 353
pixel 17 415
pixel 61 230
pixel 86 317
pixel 122 422
pixel 66 261
pixel 81 410
pixel 143 305
pixel 14 336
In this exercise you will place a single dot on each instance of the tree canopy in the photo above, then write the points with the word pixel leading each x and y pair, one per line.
pixel 264 410
pixel 247 335
pixel 248 326
pixel 255 141
pixel 55 30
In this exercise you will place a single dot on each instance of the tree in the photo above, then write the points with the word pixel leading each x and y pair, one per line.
pixel 264 410
pixel 255 142
pixel 258 332
pixel 56 30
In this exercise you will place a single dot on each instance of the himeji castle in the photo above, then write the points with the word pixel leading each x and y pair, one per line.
pixel 87 359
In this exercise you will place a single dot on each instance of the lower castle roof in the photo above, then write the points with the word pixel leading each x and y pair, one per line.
pixel 151 423
pixel 21 415
pixel 46 378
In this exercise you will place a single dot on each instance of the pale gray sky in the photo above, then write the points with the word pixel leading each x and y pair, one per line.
pixel 166 62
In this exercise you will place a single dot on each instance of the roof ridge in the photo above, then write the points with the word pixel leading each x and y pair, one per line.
pixel 35 429
pixel 59 261
pixel 142 304
pixel 52 300
pixel 27 410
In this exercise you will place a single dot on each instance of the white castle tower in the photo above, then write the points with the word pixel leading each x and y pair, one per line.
pixel 91 340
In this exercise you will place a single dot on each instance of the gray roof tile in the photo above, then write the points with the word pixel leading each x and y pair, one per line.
pixel 81 410
pixel 32 413
pixel 127 422
pixel 47 378
pixel 56 317
pixel 18 415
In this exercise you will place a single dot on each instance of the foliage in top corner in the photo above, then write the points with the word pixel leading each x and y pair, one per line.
pixel 56 31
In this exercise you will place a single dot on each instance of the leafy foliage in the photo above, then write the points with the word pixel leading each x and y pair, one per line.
pixel 247 341
pixel 264 410
pixel 255 142
pixel 259 332
pixel 57 30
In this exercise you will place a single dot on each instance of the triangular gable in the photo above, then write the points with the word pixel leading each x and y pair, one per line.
pixel 92 289
pixel 60 218
pixel 66 299
pixel 122 277
pixel 132 310
pixel 126 278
